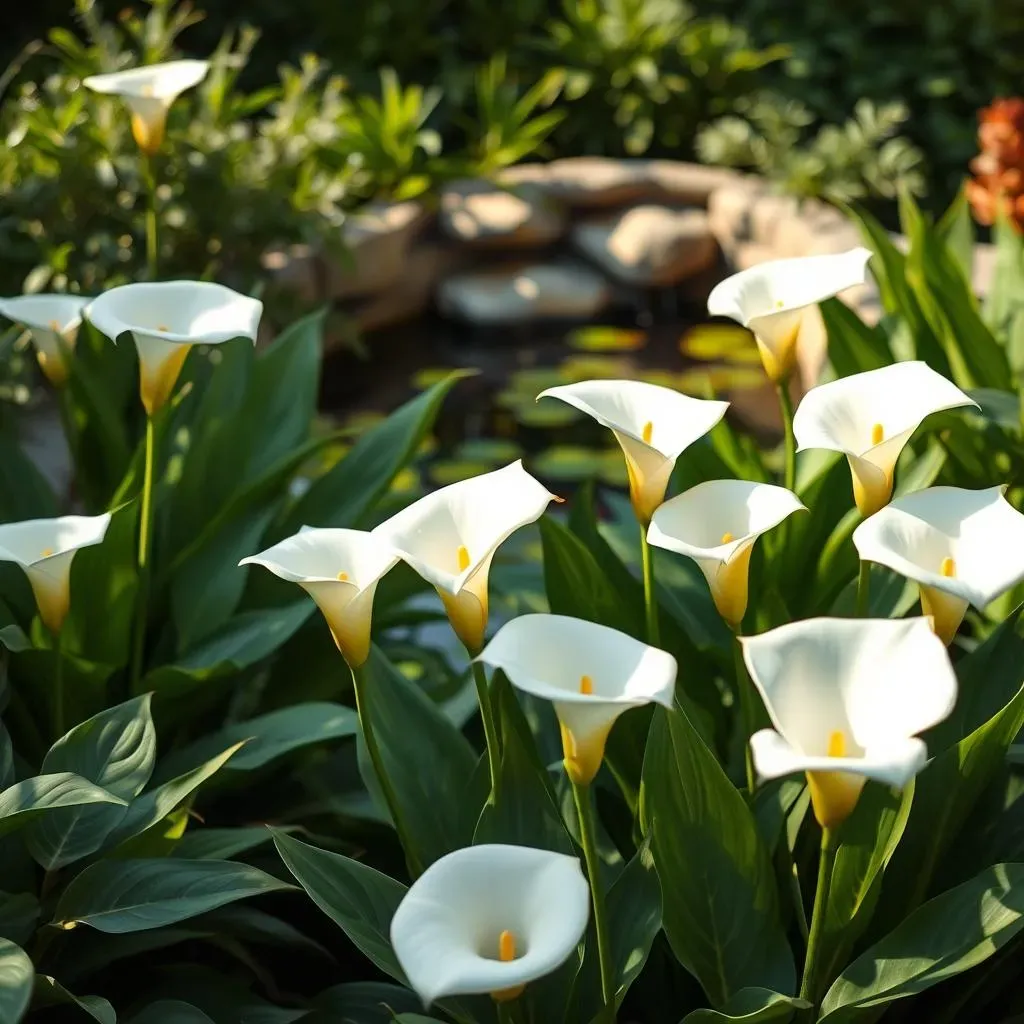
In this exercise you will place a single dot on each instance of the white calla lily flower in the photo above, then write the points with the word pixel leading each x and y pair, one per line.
pixel 961 547
pixel 45 549
pixel 340 570
pixel 53 322
pixel 591 673
pixel 450 536
pixel 869 417
pixel 716 524
pixel 847 698
pixel 772 299
pixel 149 92
pixel 166 319
pixel 489 920
pixel 654 425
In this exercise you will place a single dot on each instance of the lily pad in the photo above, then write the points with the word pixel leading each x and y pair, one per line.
pixel 568 462
pixel 429 376
pixel 613 469
pixel 452 471
pixel 728 342
pixel 719 379
pixel 606 339
pixel 535 379
pixel 662 378
pixel 577 368
pixel 495 451
pixel 548 414
pixel 405 481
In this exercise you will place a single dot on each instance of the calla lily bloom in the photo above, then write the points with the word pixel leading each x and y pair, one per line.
pixel 654 425
pixel 772 299
pixel 847 698
pixel 716 524
pixel 591 673
pixel 340 570
pixel 149 92
pixel 961 547
pixel 450 536
pixel 490 919
pixel 45 549
pixel 53 322
pixel 869 417
pixel 166 319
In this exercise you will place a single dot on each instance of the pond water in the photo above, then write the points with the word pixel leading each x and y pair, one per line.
pixel 493 418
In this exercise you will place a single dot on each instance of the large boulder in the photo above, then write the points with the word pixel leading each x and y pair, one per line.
pixel 481 214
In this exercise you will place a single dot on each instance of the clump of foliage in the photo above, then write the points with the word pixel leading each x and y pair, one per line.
pixel 861 158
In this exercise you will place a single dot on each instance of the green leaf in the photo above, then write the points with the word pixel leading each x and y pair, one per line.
pixel 853 346
pixel 634 915
pixel 956 229
pixel 151 808
pixel 1006 294
pixel 411 731
pixel 266 737
pixel 344 496
pixel 242 641
pixel 947 935
pixel 134 895
pixel 50 992
pixel 16 974
pixel 31 798
pixel 25 491
pixel 718 886
pixel 19 914
pixel 368 1002
pixel 868 839
pixel 220 843
pixel 526 811
pixel 751 1006
pixel 360 900
pixel 114 749
pixel 171 1011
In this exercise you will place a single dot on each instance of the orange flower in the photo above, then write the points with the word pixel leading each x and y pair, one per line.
pixel 998 181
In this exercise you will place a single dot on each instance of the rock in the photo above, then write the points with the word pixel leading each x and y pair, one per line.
pixel 378 238
pixel 425 266
pixel 729 210
pixel 298 269
pixel 517 295
pixel 480 214
pixel 749 254
pixel 769 213
pixel 649 246
pixel 593 182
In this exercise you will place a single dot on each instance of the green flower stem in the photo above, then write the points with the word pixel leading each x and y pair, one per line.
pixel 810 985
pixel 863 589
pixel 747 696
pixel 650 599
pixel 786 408
pixel 58 687
pixel 388 791
pixel 152 250
pixel 585 813
pixel 145 550
pixel 483 694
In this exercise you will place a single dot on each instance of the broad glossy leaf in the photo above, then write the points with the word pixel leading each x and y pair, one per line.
pixel 751 1006
pixel 720 909
pixel 368 1002
pixel 31 798
pixel 50 992
pixel 26 492
pixel 16 974
pixel 634 915
pixel 19 914
pixel 360 900
pixel 525 812
pixel 266 737
pixel 171 1011
pixel 134 895
pixel 947 935
pixel 412 732
pixel 853 346
pixel 114 749
pixel 200 843
pixel 151 808
pixel 344 496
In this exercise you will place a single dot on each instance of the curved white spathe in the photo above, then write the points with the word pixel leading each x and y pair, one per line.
pixel 847 698
pixel 446 932
pixel 165 319
pixel 591 673
pixel 869 417
pixel 716 524
pixel 771 299
pixel 340 570
pixel 961 546
pixel 654 425
pixel 53 321
pixel 450 536
pixel 45 549
pixel 149 92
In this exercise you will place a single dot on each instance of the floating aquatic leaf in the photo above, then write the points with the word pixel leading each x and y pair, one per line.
pixel 568 462
pixel 606 339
